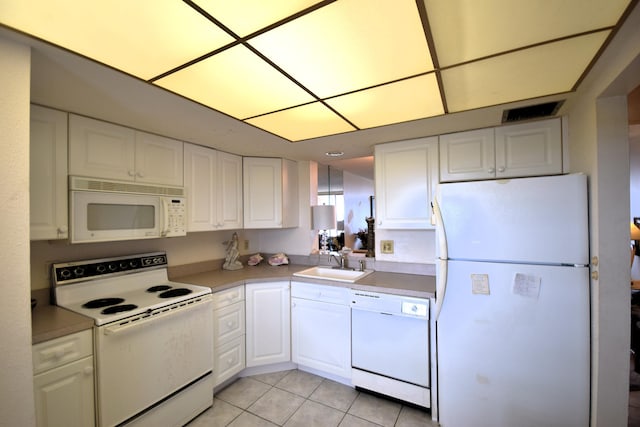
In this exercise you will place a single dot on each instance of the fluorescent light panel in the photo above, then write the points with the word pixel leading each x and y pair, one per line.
pixel 519 75
pixel 304 122
pixel 466 30
pixel 350 45
pixel 369 61
pixel 245 17
pixel 402 101
pixel 237 82
pixel 143 37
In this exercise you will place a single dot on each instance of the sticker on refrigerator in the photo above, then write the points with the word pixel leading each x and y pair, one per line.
pixel 526 285
pixel 480 284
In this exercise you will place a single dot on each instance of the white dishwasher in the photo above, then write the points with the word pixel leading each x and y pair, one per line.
pixel 390 345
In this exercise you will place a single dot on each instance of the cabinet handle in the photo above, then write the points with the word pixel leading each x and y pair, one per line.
pixel 492 170
pixel 62 230
pixel 501 169
pixel 88 370
pixel 229 324
pixel 140 174
pixel 229 362
pixel 59 354
pixel 131 173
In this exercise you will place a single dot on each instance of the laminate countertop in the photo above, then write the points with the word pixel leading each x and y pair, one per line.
pixel 50 321
pixel 413 285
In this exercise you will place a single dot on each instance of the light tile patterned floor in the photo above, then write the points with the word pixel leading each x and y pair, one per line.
pixel 299 399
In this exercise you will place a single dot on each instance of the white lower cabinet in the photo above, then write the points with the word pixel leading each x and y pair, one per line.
pixel 228 334
pixel 268 323
pixel 64 381
pixel 321 328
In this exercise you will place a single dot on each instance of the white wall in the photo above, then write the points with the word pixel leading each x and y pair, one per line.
pixel 16 380
pixel 599 147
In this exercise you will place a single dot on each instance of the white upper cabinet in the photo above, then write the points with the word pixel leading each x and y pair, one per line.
pixel 270 193
pixel 406 173
pixel 48 174
pixel 213 183
pixel 104 150
pixel 158 160
pixel 526 149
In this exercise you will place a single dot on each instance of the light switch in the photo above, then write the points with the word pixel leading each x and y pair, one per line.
pixel 386 246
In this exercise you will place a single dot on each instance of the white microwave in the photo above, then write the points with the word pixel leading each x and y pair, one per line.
pixel 104 210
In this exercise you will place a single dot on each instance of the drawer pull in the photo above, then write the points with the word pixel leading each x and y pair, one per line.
pixel 88 370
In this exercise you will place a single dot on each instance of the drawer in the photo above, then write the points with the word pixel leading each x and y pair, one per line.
pixel 227 297
pixel 228 323
pixel 59 351
pixel 324 293
pixel 229 359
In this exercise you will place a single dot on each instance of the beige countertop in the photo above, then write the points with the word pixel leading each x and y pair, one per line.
pixel 379 281
pixel 50 321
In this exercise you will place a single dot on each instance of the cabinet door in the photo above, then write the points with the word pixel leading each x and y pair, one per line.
pixel 529 149
pixel 268 323
pixel 229 188
pixel 48 174
pixel 467 155
pixel 405 176
pixel 200 164
pixel 262 181
pixel 101 150
pixel 64 395
pixel 158 160
pixel 321 336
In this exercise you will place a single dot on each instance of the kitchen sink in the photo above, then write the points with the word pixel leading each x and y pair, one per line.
pixel 335 274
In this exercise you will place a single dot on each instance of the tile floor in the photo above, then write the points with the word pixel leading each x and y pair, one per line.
pixel 297 398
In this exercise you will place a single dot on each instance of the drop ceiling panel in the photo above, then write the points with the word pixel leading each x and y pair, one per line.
pixel 237 82
pixel 393 103
pixel 142 37
pixel 304 122
pixel 244 17
pixel 543 70
pixel 464 30
pixel 350 45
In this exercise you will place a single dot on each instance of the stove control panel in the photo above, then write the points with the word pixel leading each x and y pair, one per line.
pixel 77 271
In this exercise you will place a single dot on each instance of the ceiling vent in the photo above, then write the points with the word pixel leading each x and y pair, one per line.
pixel 531 112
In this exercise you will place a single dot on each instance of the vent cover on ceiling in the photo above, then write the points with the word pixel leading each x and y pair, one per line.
pixel 531 112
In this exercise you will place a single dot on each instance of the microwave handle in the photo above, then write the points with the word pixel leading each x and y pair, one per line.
pixel 164 220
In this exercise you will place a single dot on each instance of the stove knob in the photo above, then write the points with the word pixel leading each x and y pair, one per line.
pixel 101 268
pixel 78 271
pixel 123 265
pixel 65 274
pixel 133 264
pixel 113 267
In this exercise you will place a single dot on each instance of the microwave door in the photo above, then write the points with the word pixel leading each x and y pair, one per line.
pixel 101 217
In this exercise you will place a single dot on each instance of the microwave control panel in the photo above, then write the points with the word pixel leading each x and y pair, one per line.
pixel 176 217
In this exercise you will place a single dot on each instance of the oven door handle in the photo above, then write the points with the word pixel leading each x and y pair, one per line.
pixel 162 313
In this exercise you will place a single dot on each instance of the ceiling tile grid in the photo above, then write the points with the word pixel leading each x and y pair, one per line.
pixel 305 69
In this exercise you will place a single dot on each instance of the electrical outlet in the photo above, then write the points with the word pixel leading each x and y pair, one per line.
pixel 246 245
pixel 386 246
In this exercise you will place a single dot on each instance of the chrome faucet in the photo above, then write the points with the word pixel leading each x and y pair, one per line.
pixel 340 259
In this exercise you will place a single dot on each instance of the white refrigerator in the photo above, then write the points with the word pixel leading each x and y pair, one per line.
pixel 512 303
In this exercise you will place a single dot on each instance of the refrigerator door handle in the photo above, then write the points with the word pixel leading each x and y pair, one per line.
pixel 440 233
pixel 441 287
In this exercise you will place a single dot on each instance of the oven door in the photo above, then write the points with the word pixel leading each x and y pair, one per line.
pixel 146 361
pixel 103 216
